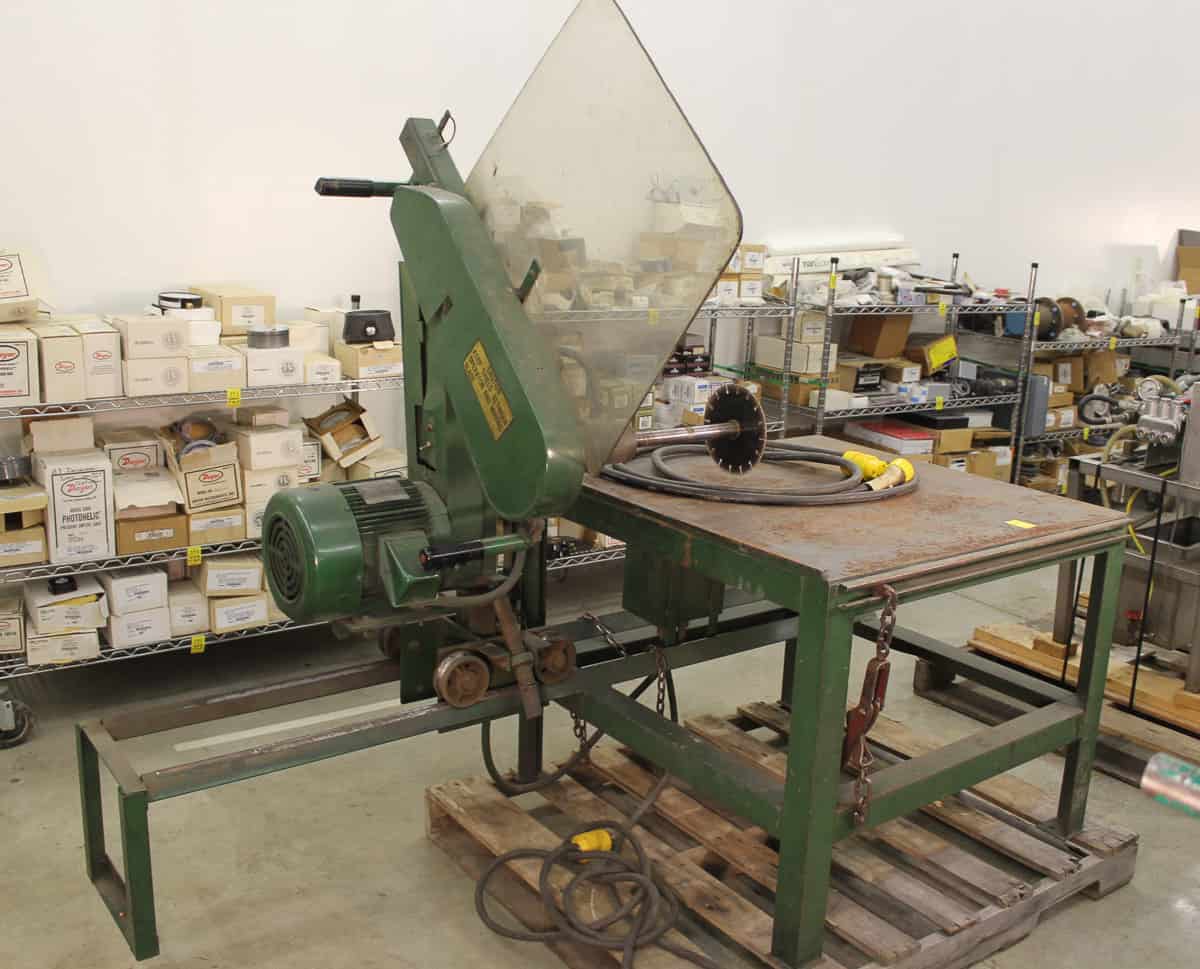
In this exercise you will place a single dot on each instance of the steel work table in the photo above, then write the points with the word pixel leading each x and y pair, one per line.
pixel 955 531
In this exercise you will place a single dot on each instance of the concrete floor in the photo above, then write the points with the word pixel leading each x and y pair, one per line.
pixel 327 866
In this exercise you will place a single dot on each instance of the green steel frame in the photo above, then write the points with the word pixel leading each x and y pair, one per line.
pixel 813 619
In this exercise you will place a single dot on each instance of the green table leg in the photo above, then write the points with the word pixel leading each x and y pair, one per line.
pixel 1089 691
pixel 789 673
pixel 818 705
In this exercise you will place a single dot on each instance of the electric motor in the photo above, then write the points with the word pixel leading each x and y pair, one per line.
pixel 351 548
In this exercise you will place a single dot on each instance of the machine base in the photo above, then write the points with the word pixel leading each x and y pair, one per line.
pixel 961 907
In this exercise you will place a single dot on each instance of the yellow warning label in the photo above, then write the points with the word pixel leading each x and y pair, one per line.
pixel 939 403
pixel 941 352
pixel 233 397
pixel 1017 523
pixel 198 643
pixel 1112 342
pixel 195 554
pixel 487 390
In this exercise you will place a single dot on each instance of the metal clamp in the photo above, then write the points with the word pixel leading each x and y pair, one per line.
pixel 856 756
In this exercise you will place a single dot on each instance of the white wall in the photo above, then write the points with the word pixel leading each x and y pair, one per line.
pixel 152 143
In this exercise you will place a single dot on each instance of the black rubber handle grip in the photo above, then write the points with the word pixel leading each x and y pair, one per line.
pixel 355 188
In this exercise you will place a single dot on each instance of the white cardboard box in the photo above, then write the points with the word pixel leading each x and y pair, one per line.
pixel 237 612
pixel 259 485
pixel 360 360
pixel 60 358
pixel 139 628
pixel 152 336
pixel 238 307
pixel 18 286
pixel 24 546
pixel 210 478
pixel 79 510
pixel 102 375
pixel 20 381
pixel 383 463
pixel 131 448
pixel 309 335
pixel 188 608
pixel 147 376
pixel 147 493
pixel 52 613
pixel 310 460
pixel 320 368
pixel 215 368
pixel 230 575
pixel 40 650
pixel 214 527
pixel 281 366
pixel 12 623
pixel 269 447
pixel 202 333
pixel 255 514
pixel 132 590
pixel 55 434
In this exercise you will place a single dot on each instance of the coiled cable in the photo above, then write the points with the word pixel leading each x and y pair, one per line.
pixel 845 491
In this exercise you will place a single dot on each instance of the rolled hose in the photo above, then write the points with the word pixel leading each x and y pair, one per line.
pixel 1082 406
pixel 847 491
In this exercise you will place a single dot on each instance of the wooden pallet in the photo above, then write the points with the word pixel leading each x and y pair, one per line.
pixel 1167 718
pixel 967 877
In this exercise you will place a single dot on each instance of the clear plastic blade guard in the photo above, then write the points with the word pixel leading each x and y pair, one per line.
pixel 597 177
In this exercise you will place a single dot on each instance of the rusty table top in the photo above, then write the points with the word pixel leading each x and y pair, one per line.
pixel 951 517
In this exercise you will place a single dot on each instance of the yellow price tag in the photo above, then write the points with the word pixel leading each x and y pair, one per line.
pixel 1198 310
pixel 233 397
pixel 1037 321
pixel 1087 432
pixel 833 281
pixel 1017 523
pixel 194 554
pixel 943 308
pixel 1112 342
pixel 652 317
pixel 939 403
pixel 198 643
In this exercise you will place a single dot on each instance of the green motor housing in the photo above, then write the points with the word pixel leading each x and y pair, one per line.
pixel 352 547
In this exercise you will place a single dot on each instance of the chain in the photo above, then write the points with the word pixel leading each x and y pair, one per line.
pixel 608 635
pixel 856 755
pixel 660 663
pixel 580 730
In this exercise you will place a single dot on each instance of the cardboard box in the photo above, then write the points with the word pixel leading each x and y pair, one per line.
pixel 22 506
pixel 214 527
pixel 24 546
pixel 859 375
pixel 274 613
pixel 269 447
pixel 806 357
pixel 12 623
pixel 18 287
pixel 254 519
pixel 955 462
pixel 153 534
pixel 310 335
pixel 51 613
pixel 259 485
pixel 1187 260
pixel 264 415
pixel 228 615
pixel 139 628
pixel 145 494
pixel 203 333
pixel 20 381
pixel 691 389
pixel 932 352
pixel 1069 371
pixel 102 375
pixel 383 463
pixel 79 510
pixel 187 608
pixel 209 478
pixel 1050 370
pixel 320 368
pixel 52 435
pixel 332 471
pixel 132 590
pixel 310 460
pixel 230 575
pixel 750 286
pixel 215 368
pixel 879 336
pixel 346 432
pixel 278 367
pixel 131 448
pixel 238 307
pixel 147 337
pixel 1062 398
pixel 60 359
pixel 727 287
pixel 753 257
pixel 1104 367
pixel 384 359
pixel 149 376
pixel 901 371
pixel 42 650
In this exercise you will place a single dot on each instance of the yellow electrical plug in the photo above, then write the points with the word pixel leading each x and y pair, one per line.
pixel 898 472
pixel 870 466
pixel 598 839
